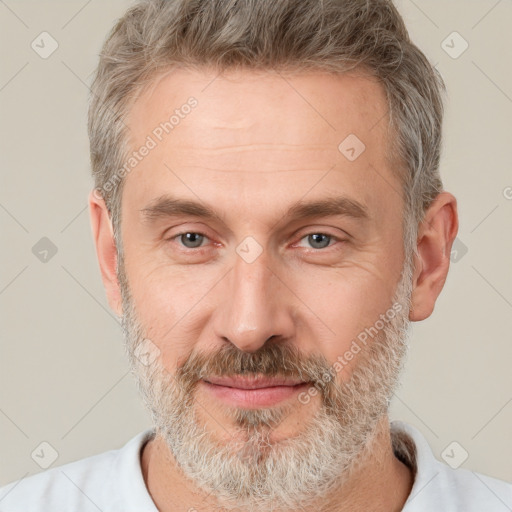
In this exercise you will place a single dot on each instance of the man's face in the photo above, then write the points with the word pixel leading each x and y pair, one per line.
pixel 257 288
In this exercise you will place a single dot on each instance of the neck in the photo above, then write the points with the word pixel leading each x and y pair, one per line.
pixel 379 482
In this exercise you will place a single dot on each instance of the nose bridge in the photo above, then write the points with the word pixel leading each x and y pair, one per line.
pixel 255 306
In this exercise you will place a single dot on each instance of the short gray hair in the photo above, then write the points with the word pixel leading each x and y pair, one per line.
pixel 325 35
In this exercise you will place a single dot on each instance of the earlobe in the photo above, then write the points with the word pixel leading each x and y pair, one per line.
pixel 106 250
pixel 435 238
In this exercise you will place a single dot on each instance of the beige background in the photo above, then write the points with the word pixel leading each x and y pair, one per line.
pixel 63 375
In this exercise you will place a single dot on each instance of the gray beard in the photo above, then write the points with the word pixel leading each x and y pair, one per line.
pixel 251 472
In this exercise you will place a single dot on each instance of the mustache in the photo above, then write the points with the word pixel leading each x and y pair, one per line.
pixel 270 360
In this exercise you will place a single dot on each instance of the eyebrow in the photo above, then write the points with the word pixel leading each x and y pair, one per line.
pixel 167 206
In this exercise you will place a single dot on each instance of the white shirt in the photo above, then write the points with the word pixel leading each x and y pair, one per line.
pixel 113 482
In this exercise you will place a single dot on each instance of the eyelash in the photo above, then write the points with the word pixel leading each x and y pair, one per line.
pixel 186 249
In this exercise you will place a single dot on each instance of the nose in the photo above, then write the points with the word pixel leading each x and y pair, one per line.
pixel 256 305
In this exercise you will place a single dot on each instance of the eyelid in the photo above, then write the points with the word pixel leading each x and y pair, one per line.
pixel 314 229
pixel 186 227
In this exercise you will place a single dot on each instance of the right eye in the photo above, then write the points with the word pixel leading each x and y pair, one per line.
pixel 190 239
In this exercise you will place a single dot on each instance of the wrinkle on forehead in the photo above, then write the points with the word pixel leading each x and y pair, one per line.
pixel 260 103
pixel 264 125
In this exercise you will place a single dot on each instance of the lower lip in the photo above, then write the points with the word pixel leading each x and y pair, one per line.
pixel 262 397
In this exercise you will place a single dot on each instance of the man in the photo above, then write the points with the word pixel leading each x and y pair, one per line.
pixel 268 218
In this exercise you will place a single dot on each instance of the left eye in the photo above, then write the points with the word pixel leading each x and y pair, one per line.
pixel 191 239
pixel 318 240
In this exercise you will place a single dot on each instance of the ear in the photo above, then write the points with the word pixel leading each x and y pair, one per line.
pixel 106 250
pixel 435 238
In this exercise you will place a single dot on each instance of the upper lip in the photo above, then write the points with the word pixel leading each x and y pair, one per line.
pixel 243 382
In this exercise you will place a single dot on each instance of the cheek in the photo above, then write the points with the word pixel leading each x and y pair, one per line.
pixel 345 306
pixel 169 303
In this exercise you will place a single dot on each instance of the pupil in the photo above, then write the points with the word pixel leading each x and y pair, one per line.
pixel 192 239
pixel 315 240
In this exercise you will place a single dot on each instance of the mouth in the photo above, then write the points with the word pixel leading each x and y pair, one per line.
pixel 253 392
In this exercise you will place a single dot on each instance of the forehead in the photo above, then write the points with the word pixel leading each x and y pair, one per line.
pixel 316 106
pixel 260 129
